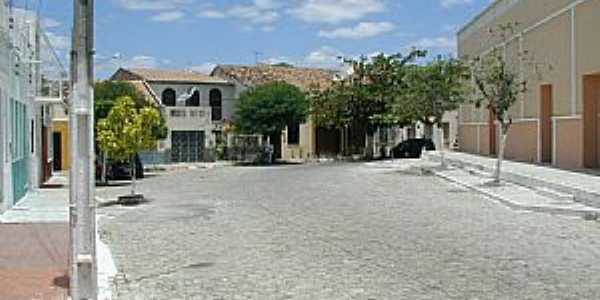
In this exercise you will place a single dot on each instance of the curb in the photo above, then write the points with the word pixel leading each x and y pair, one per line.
pixel 588 198
pixel 585 214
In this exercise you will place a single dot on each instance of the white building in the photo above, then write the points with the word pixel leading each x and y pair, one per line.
pixel 195 107
pixel 25 142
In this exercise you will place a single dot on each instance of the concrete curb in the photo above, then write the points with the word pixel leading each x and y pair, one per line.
pixel 582 213
pixel 106 267
pixel 588 198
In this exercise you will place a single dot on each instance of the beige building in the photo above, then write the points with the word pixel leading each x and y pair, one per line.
pixel 301 141
pixel 556 121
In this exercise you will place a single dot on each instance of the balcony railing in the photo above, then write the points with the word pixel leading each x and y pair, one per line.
pixel 188 112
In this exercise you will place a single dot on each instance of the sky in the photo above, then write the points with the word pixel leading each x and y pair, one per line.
pixel 197 34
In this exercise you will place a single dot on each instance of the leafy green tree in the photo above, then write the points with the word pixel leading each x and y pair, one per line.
pixel 269 108
pixel 368 98
pixel 127 130
pixel 498 87
pixel 432 90
pixel 107 93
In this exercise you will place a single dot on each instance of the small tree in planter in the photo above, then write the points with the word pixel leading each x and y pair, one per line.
pixel 498 87
pixel 125 131
pixel 434 89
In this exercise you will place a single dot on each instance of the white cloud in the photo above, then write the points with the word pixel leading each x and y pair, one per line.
pixel 153 4
pixel 335 11
pixel 443 44
pixel 169 16
pixel 256 14
pixel 451 3
pixel 212 14
pixel 261 13
pixel 324 57
pixel 361 31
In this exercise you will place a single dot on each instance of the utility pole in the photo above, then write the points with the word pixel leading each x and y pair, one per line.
pixel 83 280
pixel 257 55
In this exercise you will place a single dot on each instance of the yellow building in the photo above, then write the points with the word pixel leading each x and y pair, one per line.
pixel 556 121
pixel 60 139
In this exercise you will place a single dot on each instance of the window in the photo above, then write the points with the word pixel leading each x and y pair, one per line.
pixel 194 100
pixel 293 134
pixel 169 98
pixel 216 105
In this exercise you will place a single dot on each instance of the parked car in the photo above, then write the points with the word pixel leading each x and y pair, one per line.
pixel 120 170
pixel 412 148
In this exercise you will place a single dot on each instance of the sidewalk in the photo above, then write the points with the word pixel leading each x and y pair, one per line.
pixel 583 187
pixel 525 187
pixel 34 246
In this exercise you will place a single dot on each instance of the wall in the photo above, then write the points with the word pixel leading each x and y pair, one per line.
pixel 562 61
pixel 305 149
pixel 196 118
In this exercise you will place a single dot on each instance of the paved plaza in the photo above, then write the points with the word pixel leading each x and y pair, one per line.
pixel 339 231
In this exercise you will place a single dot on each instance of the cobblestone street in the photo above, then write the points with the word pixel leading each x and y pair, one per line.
pixel 339 231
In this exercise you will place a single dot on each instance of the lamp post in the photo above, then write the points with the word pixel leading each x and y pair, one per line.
pixel 82 221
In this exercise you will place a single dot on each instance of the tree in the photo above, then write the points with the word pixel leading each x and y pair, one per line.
pixel 107 93
pixel 267 109
pixel 368 98
pixel 127 130
pixel 434 89
pixel 498 87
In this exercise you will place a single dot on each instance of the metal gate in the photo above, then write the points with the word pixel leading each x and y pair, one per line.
pixel 187 146
pixel 19 149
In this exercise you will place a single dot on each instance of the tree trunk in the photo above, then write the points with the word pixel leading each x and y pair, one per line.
pixel 369 139
pixel 428 130
pixel 104 159
pixel 133 175
pixel 499 160
pixel 441 145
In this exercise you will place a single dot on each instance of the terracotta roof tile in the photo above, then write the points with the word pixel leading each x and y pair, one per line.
pixel 304 78
pixel 175 76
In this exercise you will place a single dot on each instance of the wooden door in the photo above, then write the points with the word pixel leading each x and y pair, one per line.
pixel 546 107
pixel 591 97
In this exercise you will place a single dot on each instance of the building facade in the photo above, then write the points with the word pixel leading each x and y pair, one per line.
pixel 25 142
pixel 195 107
pixel 557 121
pixel 298 142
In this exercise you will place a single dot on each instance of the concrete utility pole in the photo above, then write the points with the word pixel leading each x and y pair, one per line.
pixel 82 181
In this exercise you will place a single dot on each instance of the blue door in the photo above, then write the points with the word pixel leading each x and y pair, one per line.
pixel 19 149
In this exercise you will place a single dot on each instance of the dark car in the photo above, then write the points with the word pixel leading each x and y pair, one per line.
pixel 412 148
pixel 120 170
